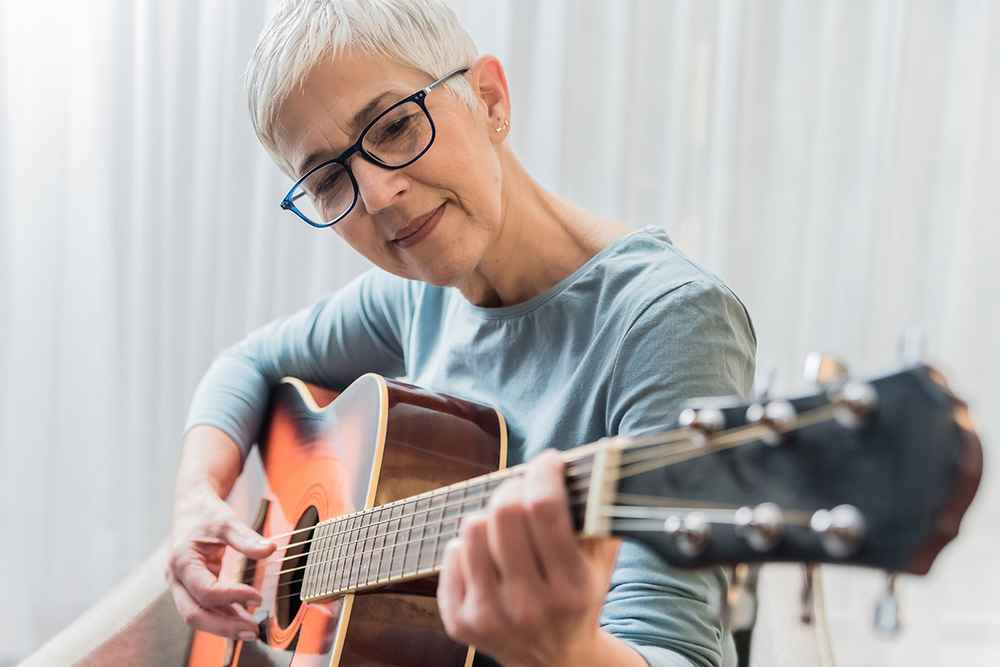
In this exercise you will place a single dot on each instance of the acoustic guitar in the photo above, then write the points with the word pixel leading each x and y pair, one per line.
pixel 365 486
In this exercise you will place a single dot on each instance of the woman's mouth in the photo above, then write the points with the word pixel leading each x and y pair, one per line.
pixel 419 230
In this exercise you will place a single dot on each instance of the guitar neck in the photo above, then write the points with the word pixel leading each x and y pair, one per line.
pixel 405 539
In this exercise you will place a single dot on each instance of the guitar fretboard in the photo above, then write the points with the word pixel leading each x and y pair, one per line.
pixel 391 543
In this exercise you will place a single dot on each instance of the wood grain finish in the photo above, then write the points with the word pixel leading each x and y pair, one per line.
pixel 377 441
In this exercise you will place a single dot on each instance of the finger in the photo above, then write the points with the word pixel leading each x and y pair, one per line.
pixel 216 622
pixel 209 591
pixel 238 611
pixel 246 541
pixel 451 586
pixel 482 578
pixel 509 539
pixel 549 522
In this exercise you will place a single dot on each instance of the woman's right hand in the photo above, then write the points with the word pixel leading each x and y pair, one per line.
pixel 203 526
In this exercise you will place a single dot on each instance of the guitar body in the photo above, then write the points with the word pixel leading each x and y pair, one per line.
pixel 328 454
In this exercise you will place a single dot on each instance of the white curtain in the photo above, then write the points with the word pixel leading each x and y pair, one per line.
pixel 833 161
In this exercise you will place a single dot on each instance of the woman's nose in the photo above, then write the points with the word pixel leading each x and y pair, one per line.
pixel 377 187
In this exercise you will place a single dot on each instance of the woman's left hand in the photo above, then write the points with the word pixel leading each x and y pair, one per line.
pixel 518 584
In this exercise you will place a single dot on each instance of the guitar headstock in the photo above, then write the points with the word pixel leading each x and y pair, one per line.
pixel 874 473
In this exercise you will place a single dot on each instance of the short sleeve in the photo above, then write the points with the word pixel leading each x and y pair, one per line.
pixel 361 328
pixel 696 340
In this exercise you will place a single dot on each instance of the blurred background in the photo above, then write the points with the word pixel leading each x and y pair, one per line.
pixel 835 162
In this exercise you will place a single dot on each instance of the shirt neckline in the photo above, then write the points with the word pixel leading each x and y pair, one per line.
pixel 519 309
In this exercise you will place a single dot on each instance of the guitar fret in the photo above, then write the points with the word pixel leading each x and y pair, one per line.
pixel 452 518
pixel 365 560
pixel 366 551
pixel 313 581
pixel 309 576
pixel 331 555
pixel 313 578
pixel 417 538
pixel 352 561
pixel 384 561
pixel 356 572
pixel 331 574
pixel 377 541
pixel 344 559
pixel 435 523
pixel 394 527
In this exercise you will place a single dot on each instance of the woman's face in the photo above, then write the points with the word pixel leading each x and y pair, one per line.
pixel 460 174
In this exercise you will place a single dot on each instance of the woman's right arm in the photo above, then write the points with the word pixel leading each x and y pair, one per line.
pixel 202 527
pixel 359 329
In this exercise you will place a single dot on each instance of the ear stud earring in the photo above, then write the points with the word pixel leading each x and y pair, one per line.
pixel 503 126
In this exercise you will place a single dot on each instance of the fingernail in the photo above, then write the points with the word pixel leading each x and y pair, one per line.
pixel 247 636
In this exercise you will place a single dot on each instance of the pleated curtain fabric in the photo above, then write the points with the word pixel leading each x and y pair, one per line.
pixel 834 162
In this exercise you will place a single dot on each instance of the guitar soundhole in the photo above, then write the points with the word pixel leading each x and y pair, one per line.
pixel 290 581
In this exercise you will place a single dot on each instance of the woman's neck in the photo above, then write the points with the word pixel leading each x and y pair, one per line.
pixel 542 239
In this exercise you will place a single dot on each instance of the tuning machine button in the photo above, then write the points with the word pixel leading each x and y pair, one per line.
pixel 887 616
pixel 776 416
pixel 691 532
pixel 703 421
pixel 841 530
pixel 760 526
pixel 853 403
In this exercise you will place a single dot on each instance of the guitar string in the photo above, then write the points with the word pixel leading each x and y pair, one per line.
pixel 568 457
pixel 371 512
pixel 798 517
pixel 423 541
pixel 696 450
pixel 690 452
pixel 574 500
pixel 366 553
pixel 461 502
pixel 727 439
pixel 645 447
pixel 794 516
pixel 443 492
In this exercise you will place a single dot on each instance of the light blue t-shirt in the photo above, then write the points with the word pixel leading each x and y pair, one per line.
pixel 614 348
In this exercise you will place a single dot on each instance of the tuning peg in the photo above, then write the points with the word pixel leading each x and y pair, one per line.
pixel 841 530
pixel 691 533
pixel 740 606
pixel 853 403
pixel 777 416
pixel 760 526
pixel 705 421
pixel 806 596
pixel 887 616
pixel 823 370
pixel 912 346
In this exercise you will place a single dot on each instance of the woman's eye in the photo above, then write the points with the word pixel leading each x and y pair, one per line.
pixel 396 127
pixel 328 183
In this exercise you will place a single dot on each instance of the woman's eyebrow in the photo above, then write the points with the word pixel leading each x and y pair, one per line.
pixel 361 118
pixel 369 110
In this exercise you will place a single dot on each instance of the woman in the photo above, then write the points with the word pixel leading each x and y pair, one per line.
pixel 487 286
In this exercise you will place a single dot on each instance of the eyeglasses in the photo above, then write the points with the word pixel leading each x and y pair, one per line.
pixel 396 138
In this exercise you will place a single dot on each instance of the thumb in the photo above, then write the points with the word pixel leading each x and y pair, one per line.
pixel 248 542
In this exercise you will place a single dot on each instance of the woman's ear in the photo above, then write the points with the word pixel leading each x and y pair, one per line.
pixel 489 82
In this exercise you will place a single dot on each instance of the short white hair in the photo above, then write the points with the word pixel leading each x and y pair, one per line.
pixel 422 34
